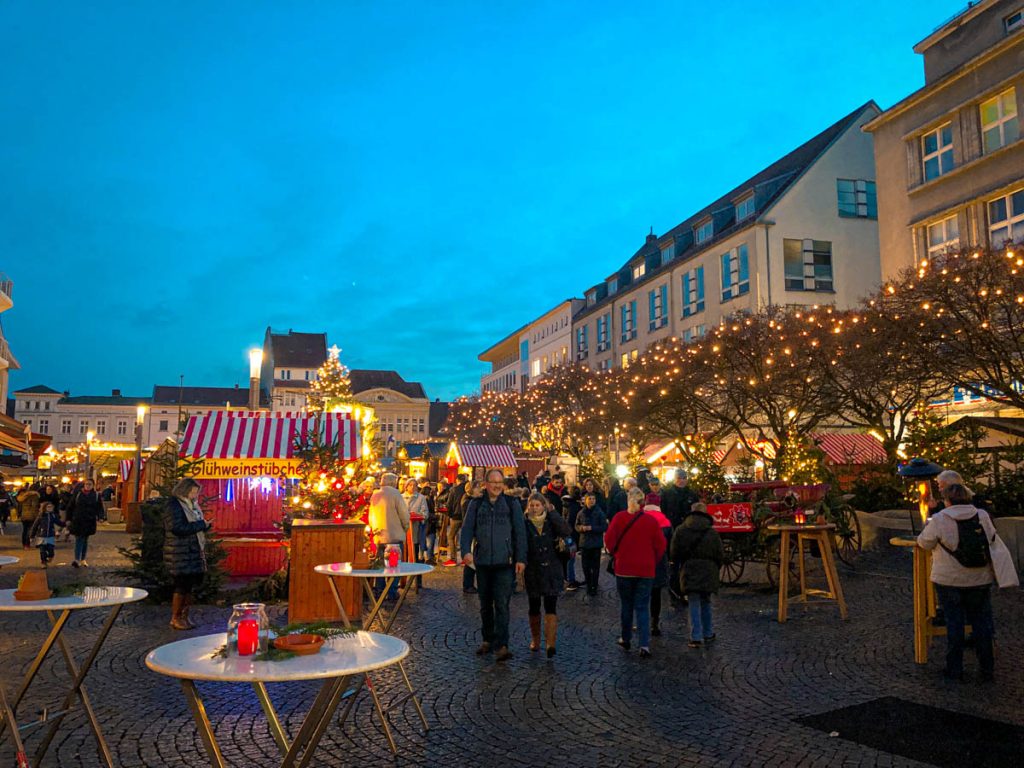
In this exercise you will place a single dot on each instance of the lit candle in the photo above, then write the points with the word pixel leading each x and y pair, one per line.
pixel 800 517
pixel 248 637
pixel 393 555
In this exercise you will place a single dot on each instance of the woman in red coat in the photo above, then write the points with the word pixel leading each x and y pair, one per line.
pixel 636 543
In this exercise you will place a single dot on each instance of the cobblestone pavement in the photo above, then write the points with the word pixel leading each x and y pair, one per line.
pixel 732 704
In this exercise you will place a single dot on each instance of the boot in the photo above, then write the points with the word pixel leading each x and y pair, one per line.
pixel 550 632
pixel 177 608
pixel 535 633
pixel 184 612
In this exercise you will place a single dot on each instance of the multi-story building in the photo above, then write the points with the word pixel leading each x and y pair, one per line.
pixel 7 359
pixel 803 231
pixel 290 363
pixel 401 407
pixel 172 406
pixel 68 419
pixel 950 157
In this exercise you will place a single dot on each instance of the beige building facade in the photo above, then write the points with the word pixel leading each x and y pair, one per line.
pixel 950 157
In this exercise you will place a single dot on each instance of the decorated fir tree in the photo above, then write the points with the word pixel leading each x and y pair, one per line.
pixel 332 386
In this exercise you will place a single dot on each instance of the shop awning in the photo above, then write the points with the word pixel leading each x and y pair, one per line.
pixel 224 435
pixel 849 448
pixel 475 455
pixel 13 435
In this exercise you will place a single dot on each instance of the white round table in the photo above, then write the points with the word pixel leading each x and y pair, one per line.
pixel 384 620
pixel 114 598
pixel 7 560
pixel 339 659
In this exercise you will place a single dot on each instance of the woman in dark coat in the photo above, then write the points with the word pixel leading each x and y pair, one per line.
pixel 184 547
pixel 86 508
pixel 697 547
pixel 543 576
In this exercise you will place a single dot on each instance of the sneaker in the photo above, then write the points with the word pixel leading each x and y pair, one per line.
pixel 623 644
pixel 572 586
pixel 694 643
pixel 502 654
pixel 74 563
pixel 645 653
pixel 483 649
pixel 449 563
pixel 709 639
pixel 83 564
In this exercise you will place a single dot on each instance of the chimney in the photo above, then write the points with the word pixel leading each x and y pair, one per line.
pixel 67 393
pixel 651 237
pixel 115 393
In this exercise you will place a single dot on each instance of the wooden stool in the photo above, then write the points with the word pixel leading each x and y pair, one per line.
pixel 925 606
pixel 821 533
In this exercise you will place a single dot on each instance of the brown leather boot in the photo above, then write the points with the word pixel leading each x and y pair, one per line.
pixel 535 633
pixel 550 632
pixel 177 608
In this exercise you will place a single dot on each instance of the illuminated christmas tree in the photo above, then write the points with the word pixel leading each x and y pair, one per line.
pixel 332 386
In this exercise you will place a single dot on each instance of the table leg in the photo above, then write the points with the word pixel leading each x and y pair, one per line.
pixel 311 723
pixel 195 704
pixel 829 560
pixel 376 603
pixel 37 662
pixel 800 564
pixel 78 689
pixel 339 601
pixel 325 720
pixel 10 720
pixel 783 575
pixel 382 714
pixel 921 638
pixel 276 730
pixel 412 695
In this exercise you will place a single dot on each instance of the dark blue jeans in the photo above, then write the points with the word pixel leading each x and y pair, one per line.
pixel 494 583
pixel 967 605
pixel 635 597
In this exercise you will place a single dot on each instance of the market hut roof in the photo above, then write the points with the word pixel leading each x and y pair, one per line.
pixel 247 435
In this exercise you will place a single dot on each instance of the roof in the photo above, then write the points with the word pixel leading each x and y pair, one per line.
pixel 438 417
pixel 298 350
pixel 14 435
pixel 849 447
pixel 225 435
pixel 516 333
pixel 105 400
pixel 961 17
pixel 414 451
pixel 476 455
pixel 363 380
pixel 768 185
pixel 1005 424
pixel 38 389
pixel 212 396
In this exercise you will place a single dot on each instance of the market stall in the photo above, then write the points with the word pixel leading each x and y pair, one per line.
pixel 475 459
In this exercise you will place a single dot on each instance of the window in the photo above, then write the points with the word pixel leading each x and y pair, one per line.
pixel 628 357
pixel 83 427
pixel 695 332
pixel 44 426
pixel 46 405
pixel 604 332
pixel 704 231
pixel 306 374
pixel 628 325
pixel 857 198
pixel 613 285
pixel 535 368
pixel 122 426
pixel 28 423
pixel 668 253
pixel 163 425
pixel 639 270
pixel 745 208
pixel 581 343
pixel 999 125
pixel 943 236
pixel 591 298
pixel 1006 218
pixel 286 374
pixel 735 273
pixel 101 427
pixel 808 264
pixel 693 292
pixel 657 307
pixel 37 405
pixel 605 365
pixel 1014 21
pixel 937 151
pixel 65 426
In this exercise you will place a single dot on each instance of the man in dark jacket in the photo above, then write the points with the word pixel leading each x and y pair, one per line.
pixel 494 543
pixel 455 516
pixel 697 547
pixel 676 502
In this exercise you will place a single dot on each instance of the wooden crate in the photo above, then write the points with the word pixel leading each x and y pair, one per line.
pixel 315 542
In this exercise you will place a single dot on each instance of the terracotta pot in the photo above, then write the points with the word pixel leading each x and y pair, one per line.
pixel 33 586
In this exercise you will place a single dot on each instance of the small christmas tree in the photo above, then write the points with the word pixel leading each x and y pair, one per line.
pixel 332 386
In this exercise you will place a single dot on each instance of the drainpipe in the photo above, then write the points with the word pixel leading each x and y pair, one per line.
pixel 768 257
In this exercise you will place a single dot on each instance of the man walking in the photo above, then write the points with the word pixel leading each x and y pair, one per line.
pixel 455 516
pixel 494 542
pixel 676 503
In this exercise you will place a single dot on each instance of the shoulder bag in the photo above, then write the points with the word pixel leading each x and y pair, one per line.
pixel 611 555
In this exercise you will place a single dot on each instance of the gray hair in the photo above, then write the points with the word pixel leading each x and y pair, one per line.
pixel 629 483
pixel 184 487
pixel 389 478
pixel 949 477
pixel 635 495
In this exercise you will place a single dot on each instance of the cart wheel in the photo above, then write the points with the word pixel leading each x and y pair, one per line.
pixel 848 536
pixel 733 562
pixel 772 561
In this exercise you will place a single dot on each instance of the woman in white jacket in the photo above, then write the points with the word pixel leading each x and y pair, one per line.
pixel 963 592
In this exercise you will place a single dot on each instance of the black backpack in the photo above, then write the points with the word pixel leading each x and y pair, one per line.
pixel 972 548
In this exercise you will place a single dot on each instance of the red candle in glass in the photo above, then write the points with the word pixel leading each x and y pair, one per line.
pixel 393 558
pixel 248 637
pixel 801 518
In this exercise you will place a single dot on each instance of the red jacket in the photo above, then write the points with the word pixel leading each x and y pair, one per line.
pixel 640 549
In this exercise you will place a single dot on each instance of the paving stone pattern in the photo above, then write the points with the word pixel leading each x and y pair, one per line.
pixel 732 704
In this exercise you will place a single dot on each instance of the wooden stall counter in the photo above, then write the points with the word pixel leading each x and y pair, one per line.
pixel 323 541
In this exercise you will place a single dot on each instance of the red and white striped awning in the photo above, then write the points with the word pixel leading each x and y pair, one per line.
pixel 474 455
pixel 125 468
pixel 260 435
pixel 850 448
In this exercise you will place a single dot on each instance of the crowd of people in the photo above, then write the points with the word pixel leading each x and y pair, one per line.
pixel 49 512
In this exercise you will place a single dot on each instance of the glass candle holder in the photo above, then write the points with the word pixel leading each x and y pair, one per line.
pixel 248 629
pixel 392 557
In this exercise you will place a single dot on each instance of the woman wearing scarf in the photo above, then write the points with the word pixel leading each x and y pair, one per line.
pixel 86 508
pixel 184 547
pixel 543 575
pixel 419 513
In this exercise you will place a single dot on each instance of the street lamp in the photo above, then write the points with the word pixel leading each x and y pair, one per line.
pixel 255 363
pixel 88 455
pixel 140 418
pixel 616 445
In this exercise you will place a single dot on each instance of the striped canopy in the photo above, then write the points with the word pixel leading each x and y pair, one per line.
pixel 256 435
pixel 850 447
pixel 473 455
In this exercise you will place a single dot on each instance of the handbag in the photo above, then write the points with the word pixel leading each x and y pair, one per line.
pixel 1002 564
pixel 37 541
pixel 611 555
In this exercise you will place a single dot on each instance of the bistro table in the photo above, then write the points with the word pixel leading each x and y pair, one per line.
pixel 820 533
pixel 114 598
pixel 383 619
pixel 925 603
pixel 339 659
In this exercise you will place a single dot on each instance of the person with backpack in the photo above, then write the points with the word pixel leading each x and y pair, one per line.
pixel 960 536
pixel 28 510
pixel 697 548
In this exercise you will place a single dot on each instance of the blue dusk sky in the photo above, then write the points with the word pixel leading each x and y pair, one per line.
pixel 417 179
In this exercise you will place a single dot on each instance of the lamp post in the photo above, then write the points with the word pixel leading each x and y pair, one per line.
pixel 255 363
pixel 88 455
pixel 616 446
pixel 140 418
pixel 920 472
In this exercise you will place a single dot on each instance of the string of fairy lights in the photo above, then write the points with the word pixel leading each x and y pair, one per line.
pixel 767 379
